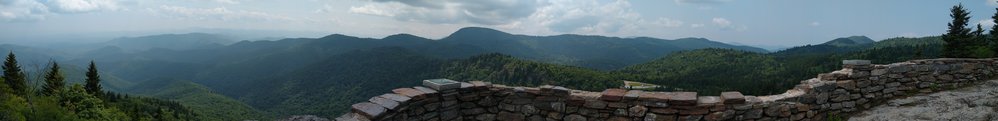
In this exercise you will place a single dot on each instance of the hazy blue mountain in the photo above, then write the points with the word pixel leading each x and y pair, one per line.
pixel 590 51
pixel 171 41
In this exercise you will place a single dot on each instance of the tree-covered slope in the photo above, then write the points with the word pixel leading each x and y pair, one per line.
pixel 199 99
pixel 505 69
pixel 711 71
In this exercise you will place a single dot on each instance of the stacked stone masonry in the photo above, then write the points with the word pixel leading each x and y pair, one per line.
pixel 859 85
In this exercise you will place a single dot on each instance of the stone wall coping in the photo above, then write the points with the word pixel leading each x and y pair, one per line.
pixel 800 97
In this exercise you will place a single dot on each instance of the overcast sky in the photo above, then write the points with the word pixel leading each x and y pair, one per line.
pixel 756 22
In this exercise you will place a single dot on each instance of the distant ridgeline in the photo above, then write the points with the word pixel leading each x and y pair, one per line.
pixel 858 86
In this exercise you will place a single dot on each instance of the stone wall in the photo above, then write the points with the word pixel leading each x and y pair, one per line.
pixel 859 85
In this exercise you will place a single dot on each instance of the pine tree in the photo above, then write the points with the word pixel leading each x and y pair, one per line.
pixel 54 81
pixel 957 36
pixel 13 76
pixel 993 38
pixel 93 81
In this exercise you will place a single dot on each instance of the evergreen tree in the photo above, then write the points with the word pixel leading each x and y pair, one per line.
pixel 956 37
pixel 14 77
pixel 993 38
pixel 54 81
pixel 93 80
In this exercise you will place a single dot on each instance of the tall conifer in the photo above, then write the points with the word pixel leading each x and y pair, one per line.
pixel 957 36
pixel 13 76
pixel 54 81
pixel 93 80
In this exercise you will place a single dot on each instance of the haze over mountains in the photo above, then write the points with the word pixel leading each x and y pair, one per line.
pixel 232 79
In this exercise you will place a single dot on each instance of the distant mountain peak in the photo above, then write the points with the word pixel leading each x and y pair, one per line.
pixel 477 31
pixel 849 41
pixel 403 36
pixel 337 36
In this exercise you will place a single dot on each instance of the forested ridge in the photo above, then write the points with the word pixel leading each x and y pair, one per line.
pixel 56 100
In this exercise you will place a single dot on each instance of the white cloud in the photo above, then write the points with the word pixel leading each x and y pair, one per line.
pixel 387 10
pixel 815 23
pixel 696 25
pixel 986 23
pixel 992 2
pixel 80 6
pixel 219 13
pixel 726 24
pixel 22 10
pixel 668 22
pixel 325 9
pixel 721 22
pixel 35 10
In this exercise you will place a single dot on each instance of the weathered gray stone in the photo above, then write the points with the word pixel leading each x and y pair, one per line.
pixel 715 116
pixel 596 104
pixel 613 94
pixel 754 114
pixel 637 111
pixel 558 106
pixel 822 98
pixel 849 104
pixel 387 103
pixel 555 115
pixel 441 84
pixel 893 84
pixel 409 92
pixel 486 117
pixel 732 97
pixel 654 96
pixel 617 105
pixel 527 109
pixel 351 117
pixel 835 106
pixel 878 72
pixel 945 77
pixel 575 117
pixel 632 94
pixel 655 104
pixel 507 116
pixel 691 117
pixel 708 100
pixel 369 110
pixel 684 98
pixel 773 110
pixel 846 84
pixel 449 114
pixel 620 112
pixel 473 111
pixel 899 68
pixel 395 97
pixel 873 89
pixel 855 62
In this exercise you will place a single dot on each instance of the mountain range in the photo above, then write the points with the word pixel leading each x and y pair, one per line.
pixel 322 76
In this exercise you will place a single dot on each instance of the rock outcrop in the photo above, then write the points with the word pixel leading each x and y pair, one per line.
pixel 858 86
pixel 975 103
